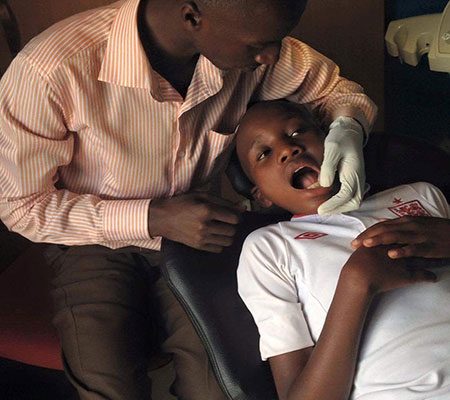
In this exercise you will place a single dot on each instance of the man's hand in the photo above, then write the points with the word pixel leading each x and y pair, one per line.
pixel 198 220
pixel 343 153
pixel 427 237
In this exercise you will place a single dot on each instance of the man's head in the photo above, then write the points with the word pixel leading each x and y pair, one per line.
pixel 280 148
pixel 240 34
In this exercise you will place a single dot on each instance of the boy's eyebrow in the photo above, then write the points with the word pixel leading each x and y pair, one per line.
pixel 255 143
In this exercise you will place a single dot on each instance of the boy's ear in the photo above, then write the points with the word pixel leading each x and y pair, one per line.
pixel 262 200
pixel 191 15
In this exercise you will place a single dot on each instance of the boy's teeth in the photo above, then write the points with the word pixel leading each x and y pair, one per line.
pixel 314 185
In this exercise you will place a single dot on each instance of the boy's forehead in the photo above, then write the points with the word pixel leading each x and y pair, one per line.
pixel 280 110
pixel 259 120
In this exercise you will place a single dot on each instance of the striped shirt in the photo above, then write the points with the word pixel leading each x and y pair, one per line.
pixel 89 133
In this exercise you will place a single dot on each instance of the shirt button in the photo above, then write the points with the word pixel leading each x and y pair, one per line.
pixel 181 154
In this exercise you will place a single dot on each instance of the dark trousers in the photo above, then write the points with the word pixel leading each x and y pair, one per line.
pixel 112 312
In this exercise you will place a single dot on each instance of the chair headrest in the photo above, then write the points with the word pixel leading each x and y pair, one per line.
pixel 241 184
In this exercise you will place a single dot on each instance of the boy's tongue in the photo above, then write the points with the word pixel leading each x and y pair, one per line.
pixel 305 178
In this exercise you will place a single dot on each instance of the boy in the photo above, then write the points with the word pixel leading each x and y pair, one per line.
pixel 310 293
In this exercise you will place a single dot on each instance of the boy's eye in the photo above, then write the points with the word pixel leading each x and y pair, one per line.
pixel 263 154
pixel 294 134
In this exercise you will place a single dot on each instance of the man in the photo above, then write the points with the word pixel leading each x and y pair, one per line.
pixel 110 124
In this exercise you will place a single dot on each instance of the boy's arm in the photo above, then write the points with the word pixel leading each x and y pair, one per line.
pixel 427 237
pixel 327 370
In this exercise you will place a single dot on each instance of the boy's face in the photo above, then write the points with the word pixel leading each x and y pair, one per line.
pixel 281 150
pixel 232 40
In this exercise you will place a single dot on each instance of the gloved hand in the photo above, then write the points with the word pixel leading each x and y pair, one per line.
pixel 343 152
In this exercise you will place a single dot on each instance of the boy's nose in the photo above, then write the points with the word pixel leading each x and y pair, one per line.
pixel 289 152
pixel 269 55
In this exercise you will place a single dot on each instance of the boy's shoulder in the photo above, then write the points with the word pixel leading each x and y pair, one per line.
pixel 264 234
pixel 414 199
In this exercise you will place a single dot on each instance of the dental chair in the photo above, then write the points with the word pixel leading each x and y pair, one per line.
pixel 205 283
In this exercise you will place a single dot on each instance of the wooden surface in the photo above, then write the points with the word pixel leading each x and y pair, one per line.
pixel 34 16
pixel 351 33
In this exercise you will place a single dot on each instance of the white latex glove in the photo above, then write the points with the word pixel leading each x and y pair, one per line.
pixel 343 153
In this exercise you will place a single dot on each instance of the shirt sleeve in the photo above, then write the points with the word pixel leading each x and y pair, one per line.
pixel 34 144
pixel 306 76
pixel 434 197
pixel 269 292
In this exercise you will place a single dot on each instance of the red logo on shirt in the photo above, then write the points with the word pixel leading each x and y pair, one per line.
pixel 413 208
pixel 310 235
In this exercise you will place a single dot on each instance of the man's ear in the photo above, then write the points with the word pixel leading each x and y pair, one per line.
pixel 262 200
pixel 191 15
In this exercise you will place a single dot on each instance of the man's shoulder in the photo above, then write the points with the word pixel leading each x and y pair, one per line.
pixel 70 37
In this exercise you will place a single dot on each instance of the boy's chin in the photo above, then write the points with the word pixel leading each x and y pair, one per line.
pixel 316 197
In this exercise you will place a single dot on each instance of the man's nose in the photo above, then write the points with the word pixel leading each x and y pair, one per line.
pixel 288 152
pixel 269 54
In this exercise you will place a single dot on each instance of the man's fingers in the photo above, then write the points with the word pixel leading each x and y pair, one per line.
pixel 221 229
pixel 215 243
pixel 211 248
pixel 410 250
pixel 329 165
pixel 343 201
pixel 224 215
pixel 327 174
pixel 389 225
pixel 392 238
pixel 236 207
pixel 219 240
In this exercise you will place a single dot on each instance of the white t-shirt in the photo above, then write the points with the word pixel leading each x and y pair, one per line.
pixel 288 274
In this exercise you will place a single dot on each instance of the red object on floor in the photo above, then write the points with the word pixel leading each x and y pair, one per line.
pixel 26 332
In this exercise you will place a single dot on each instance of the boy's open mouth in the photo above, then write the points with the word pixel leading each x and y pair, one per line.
pixel 305 178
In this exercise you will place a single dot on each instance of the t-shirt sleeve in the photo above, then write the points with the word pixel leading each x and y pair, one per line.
pixel 436 200
pixel 269 291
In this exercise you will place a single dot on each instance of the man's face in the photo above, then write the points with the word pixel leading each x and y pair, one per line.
pixel 232 40
pixel 281 151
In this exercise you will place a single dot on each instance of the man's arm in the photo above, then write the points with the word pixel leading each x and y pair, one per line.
pixel 35 143
pixel 305 76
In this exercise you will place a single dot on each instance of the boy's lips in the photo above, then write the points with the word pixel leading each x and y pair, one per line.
pixel 304 174
pixel 304 178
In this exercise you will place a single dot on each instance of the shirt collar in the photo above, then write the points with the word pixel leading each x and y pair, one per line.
pixel 126 64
